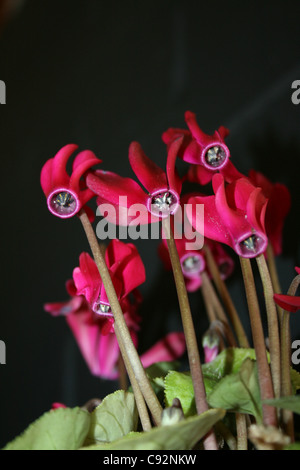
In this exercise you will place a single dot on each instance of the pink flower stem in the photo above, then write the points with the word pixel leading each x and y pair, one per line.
pixel 286 386
pixel 227 300
pixel 123 335
pixel 209 441
pixel 264 373
pixel 272 318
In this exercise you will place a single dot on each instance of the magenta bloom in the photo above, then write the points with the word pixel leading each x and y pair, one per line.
pixel 95 338
pixel 159 199
pixel 278 207
pixel 98 346
pixel 199 148
pixel 127 272
pixel 65 194
pixel 234 215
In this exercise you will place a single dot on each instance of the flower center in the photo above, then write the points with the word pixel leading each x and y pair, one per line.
pixel 63 203
pixel 252 246
pixel 215 156
pixel 192 264
pixel 163 204
pixel 102 309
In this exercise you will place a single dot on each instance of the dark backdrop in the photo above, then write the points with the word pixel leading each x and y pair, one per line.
pixel 101 74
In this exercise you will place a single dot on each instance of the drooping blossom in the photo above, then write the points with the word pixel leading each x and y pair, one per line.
pixel 206 153
pixel 277 209
pixel 127 273
pixel 234 215
pixel 67 194
pixel 156 197
pixel 100 348
pixel 97 345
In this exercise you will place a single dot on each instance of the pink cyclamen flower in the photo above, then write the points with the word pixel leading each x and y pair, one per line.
pixel 234 215
pixel 127 272
pixel 97 343
pixel 277 210
pixel 100 349
pixel 159 199
pixel 67 194
pixel 198 148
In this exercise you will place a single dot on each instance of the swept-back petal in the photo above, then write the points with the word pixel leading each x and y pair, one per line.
pixel 214 227
pixel 198 134
pixel 87 278
pixel 46 177
pixel 151 176
pixel 110 187
pixel 60 176
pixel 125 262
pixel 174 180
pixel 235 221
pixel 86 161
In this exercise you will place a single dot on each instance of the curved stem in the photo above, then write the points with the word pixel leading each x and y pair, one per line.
pixel 123 332
pixel 225 296
pixel 272 317
pixel 264 373
pixel 189 332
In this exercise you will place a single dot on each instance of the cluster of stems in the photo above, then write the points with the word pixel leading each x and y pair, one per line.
pixel 273 365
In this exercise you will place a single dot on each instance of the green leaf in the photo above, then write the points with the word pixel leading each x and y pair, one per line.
pixel 115 417
pixel 161 369
pixel 291 403
pixel 229 361
pixel 156 374
pixel 60 429
pixel 239 392
pixel 180 385
pixel 180 436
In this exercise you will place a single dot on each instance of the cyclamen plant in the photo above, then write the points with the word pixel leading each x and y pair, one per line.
pixel 243 393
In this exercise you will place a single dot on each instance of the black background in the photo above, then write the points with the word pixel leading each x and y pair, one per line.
pixel 101 74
